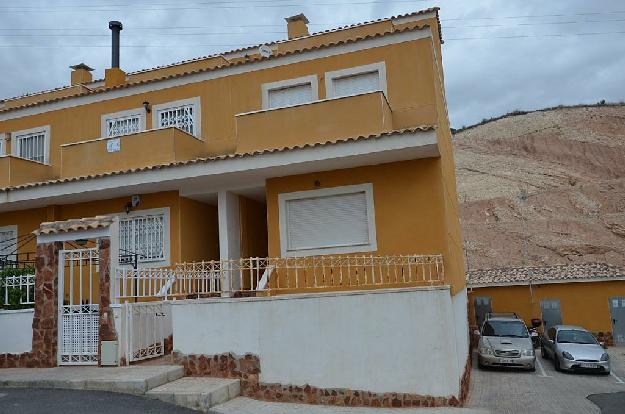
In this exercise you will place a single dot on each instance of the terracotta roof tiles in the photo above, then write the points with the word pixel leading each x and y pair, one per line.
pixel 544 274
pixel 421 128
pixel 74 225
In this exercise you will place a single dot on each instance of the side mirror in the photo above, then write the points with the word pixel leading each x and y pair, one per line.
pixel 551 341
pixel 476 332
pixel 603 345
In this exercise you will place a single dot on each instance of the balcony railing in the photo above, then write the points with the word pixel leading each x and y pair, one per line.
pixel 319 121
pixel 268 276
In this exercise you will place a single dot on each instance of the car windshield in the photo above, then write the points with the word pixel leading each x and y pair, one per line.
pixel 512 329
pixel 575 336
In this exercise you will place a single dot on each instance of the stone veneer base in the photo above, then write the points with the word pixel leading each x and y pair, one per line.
pixel 247 369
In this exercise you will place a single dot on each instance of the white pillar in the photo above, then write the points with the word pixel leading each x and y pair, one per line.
pixel 229 237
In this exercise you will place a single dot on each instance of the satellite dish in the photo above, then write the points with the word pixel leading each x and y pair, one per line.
pixel 265 51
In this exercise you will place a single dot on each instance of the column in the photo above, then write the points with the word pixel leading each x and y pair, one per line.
pixel 229 238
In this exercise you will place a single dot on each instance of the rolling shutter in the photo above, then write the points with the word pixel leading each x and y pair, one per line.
pixel 355 84
pixel 327 221
pixel 291 95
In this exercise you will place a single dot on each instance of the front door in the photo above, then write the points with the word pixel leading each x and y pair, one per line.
pixel 617 309
pixel 550 310
pixel 482 306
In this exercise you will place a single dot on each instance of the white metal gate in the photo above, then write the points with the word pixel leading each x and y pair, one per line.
pixel 147 326
pixel 78 314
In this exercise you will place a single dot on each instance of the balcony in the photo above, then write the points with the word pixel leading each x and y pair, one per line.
pixel 319 121
pixel 143 149
pixel 17 171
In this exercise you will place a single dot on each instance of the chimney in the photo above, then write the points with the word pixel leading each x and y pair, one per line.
pixel 297 26
pixel 114 76
pixel 81 74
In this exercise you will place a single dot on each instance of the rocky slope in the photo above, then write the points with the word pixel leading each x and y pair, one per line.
pixel 571 164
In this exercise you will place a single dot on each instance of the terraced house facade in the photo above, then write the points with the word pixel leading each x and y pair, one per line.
pixel 317 168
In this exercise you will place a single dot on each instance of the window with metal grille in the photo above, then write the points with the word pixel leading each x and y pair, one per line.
pixel 335 220
pixel 31 145
pixel 123 125
pixel 355 84
pixel 8 243
pixel 291 95
pixel 143 235
pixel 182 117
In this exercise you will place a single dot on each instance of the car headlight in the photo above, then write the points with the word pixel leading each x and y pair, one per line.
pixel 486 350
pixel 567 355
pixel 527 352
pixel 605 357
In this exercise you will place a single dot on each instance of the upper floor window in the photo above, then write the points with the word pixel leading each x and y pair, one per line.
pixel 123 123
pixel 183 114
pixel 356 80
pixel 32 144
pixel 290 92
pixel 145 234
pixel 327 221
pixel 3 145
pixel 8 242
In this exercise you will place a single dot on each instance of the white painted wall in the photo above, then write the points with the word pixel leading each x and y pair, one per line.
pixel 17 331
pixel 395 340
pixel 461 325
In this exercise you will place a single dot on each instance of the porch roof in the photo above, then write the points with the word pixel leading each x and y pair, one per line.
pixel 510 276
pixel 228 171
pixel 91 223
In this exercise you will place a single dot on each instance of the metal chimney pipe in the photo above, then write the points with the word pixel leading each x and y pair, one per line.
pixel 115 27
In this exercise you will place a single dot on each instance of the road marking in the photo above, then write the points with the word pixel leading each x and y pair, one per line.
pixel 541 369
pixel 618 380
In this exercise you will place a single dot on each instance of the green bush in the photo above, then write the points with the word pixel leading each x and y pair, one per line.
pixel 15 294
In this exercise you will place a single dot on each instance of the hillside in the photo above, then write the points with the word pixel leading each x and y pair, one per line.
pixel 570 162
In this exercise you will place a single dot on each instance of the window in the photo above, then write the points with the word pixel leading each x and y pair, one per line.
pixel 357 80
pixel 32 144
pixel 327 221
pixel 505 328
pixel 146 234
pixel 8 243
pixel 123 123
pixel 183 114
pixel 3 145
pixel 290 92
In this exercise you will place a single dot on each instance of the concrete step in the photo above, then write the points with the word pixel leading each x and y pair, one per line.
pixel 130 380
pixel 197 393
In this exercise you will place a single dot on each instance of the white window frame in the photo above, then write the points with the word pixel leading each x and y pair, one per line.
pixel 12 228
pixel 46 146
pixel 283 84
pixel 3 144
pixel 380 67
pixel 195 101
pixel 140 112
pixel 166 260
pixel 283 198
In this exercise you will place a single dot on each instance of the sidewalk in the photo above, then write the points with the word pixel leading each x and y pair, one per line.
pixel 242 405
pixel 130 380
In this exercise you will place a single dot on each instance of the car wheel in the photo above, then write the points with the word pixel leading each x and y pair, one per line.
pixel 605 373
pixel 532 369
pixel 556 363
pixel 543 353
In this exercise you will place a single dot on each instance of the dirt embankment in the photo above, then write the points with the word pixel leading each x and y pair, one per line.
pixel 571 164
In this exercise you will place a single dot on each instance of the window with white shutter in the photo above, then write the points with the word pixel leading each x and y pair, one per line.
pixel 290 92
pixel 32 144
pixel 328 221
pixel 183 114
pixel 8 243
pixel 357 80
pixel 3 144
pixel 145 234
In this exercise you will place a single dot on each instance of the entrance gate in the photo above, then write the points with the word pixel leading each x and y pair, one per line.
pixel 147 326
pixel 550 310
pixel 79 309
pixel 617 309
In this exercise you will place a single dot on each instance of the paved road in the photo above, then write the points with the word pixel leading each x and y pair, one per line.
pixel 613 403
pixel 55 401
pixel 546 390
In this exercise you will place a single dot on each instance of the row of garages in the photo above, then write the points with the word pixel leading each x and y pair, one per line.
pixel 588 295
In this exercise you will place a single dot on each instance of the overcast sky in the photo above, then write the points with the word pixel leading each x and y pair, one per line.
pixel 498 55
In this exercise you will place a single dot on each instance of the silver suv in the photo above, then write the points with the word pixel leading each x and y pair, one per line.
pixel 505 342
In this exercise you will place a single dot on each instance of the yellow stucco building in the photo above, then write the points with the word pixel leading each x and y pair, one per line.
pixel 319 163
pixel 591 295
